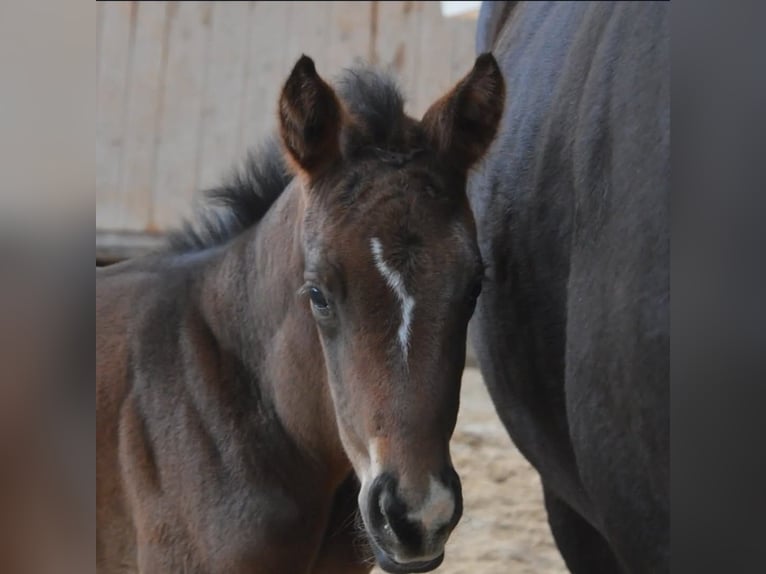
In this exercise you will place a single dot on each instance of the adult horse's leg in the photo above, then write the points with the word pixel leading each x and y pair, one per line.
pixel 344 549
pixel 584 549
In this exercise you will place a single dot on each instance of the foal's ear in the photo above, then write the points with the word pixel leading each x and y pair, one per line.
pixel 309 119
pixel 463 123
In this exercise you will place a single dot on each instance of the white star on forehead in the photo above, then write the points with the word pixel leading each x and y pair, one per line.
pixel 395 281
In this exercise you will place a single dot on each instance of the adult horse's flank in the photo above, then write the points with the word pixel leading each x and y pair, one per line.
pixel 571 209
pixel 249 374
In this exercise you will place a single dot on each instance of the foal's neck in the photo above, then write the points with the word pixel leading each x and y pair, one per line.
pixel 250 299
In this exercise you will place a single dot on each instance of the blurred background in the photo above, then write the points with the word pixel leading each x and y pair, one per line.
pixel 185 88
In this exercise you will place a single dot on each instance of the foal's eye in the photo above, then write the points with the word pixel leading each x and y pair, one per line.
pixel 317 298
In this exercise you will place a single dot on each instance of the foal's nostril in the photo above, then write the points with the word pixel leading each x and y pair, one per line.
pixel 377 519
pixel 388 513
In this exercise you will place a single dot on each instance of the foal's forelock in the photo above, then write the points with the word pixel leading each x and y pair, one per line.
pixel 397 158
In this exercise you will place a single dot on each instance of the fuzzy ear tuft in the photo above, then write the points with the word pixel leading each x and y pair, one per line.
pixel 462 124
pixel 310 118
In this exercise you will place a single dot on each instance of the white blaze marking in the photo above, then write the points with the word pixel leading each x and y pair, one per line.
pixel 368 475
pixel 374 469
pixel 437 508
pixel 374 458
pixel 396 283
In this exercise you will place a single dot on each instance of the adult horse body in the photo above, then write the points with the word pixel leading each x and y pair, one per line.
pixel 250 375
pixel 571 331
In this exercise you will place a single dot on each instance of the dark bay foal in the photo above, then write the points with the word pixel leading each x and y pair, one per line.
pixel 260 385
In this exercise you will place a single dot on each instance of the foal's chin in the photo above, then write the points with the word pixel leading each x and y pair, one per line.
pixel 389 564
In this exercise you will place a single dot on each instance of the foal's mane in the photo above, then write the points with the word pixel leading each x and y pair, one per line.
pixel 240 202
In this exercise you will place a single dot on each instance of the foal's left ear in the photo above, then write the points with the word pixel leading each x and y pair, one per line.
pixel 462 124
pixel 310 119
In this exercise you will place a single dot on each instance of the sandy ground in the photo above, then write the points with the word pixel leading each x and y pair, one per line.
pixel 504 528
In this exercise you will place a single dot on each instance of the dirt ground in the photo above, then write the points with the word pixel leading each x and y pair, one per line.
pixel 503 529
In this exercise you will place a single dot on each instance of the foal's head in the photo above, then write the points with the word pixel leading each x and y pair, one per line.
pixel 392 273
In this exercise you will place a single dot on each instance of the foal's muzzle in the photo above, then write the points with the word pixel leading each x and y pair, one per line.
pixel 410 537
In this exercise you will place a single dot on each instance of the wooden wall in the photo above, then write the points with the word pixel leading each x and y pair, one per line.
pixel 184 88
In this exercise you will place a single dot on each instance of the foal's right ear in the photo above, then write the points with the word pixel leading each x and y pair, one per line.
pixel 310 119
pixel 462 124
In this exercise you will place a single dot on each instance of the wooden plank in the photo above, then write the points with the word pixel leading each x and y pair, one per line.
pixel 175 182
pixel 396 42
pixel 310 32
pixel 351 24
pixel 434 45
pixel 143 104
pixel 463 49
pixel 266 69
pixel 99 36
pixel 224 91
pixel 114 61
pixel 166 132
